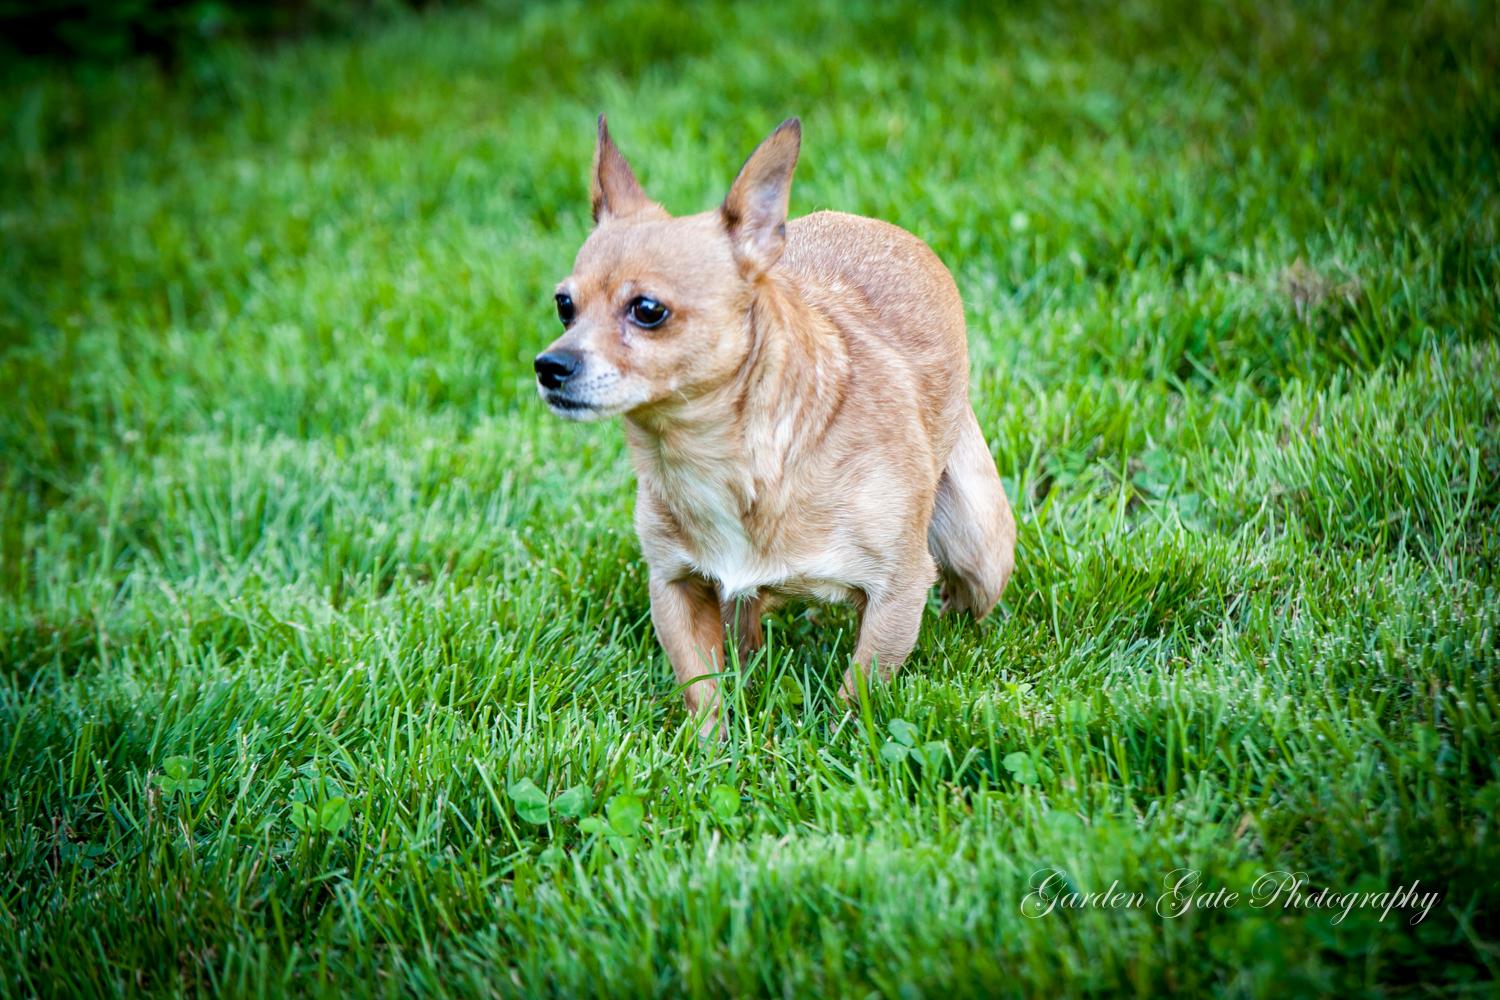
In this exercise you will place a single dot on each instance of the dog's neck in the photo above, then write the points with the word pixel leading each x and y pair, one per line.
pixel 747 434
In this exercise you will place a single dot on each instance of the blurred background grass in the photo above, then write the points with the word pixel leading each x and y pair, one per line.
pixel 282 523
pixel 104 32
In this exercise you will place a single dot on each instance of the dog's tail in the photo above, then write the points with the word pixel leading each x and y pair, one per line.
pixel 972 535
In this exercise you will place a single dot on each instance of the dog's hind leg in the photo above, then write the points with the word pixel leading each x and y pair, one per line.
pixel 742 623
pixel 972 535
pixel 889 621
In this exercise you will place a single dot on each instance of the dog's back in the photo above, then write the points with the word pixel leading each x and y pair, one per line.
pixel 904 296
pixel 874 279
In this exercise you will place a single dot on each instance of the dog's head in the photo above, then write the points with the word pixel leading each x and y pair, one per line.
pixel 657 307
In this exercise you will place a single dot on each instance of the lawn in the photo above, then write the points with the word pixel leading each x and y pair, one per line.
pixel 325 657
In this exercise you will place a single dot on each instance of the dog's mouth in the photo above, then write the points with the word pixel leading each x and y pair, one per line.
pixel 567 404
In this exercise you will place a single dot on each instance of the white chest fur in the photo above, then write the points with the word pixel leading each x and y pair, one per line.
pixel 709 503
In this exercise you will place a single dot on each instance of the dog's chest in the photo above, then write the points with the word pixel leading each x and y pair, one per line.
pixel 712 507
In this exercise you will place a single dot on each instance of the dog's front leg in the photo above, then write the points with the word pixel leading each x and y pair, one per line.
pixel 686 615
pixel 888 630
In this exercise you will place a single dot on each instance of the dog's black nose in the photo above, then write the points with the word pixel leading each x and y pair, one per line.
pixel 556 367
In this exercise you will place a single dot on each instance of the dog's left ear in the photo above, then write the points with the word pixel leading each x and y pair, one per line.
pixel 755 210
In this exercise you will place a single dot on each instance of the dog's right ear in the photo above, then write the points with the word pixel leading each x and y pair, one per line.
pixel 612 187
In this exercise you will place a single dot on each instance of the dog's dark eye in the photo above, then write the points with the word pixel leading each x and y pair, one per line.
pixel 564 307
pixel 647 312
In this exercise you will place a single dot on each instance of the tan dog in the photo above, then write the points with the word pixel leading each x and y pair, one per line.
pixel 796 400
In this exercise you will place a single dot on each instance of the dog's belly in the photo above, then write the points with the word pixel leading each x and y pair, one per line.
pixel 739 583
pixel 829 591
pixel 739 571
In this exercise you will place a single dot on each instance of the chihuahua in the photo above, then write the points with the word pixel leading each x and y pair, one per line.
pixel 795 397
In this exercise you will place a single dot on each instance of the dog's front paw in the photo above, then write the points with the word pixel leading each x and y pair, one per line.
pixel 713 729
pixel 849 690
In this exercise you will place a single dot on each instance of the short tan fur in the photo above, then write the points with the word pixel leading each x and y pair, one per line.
pixel 795 398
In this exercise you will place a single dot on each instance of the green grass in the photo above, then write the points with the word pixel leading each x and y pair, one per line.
pixel 282 522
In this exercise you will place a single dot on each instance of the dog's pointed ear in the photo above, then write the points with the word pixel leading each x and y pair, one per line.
pixel 613 189
pixel 755 210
